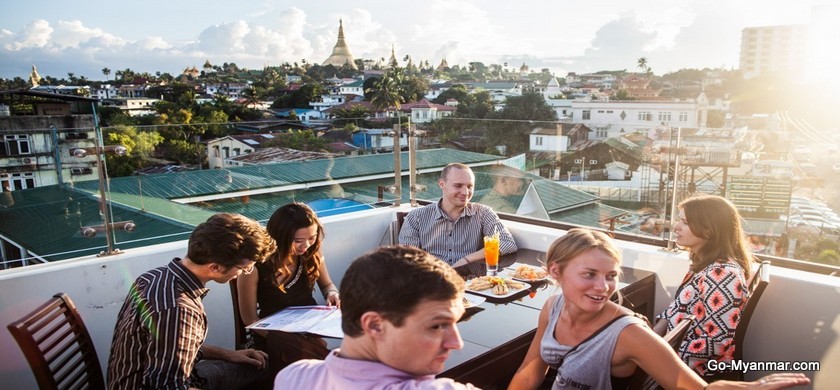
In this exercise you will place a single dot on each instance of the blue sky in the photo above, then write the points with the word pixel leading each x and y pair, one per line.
pixel 563 35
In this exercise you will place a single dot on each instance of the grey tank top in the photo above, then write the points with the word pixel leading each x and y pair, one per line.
pixel 588 365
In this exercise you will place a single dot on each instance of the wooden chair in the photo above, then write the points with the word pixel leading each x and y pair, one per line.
pixel 640 379
pixel 242 336
pixel 58 347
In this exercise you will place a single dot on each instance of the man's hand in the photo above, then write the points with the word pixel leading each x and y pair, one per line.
pixel 249 356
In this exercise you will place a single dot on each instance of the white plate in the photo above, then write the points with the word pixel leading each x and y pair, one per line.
pixel 509 272
pixel 488 293
pixel 472 300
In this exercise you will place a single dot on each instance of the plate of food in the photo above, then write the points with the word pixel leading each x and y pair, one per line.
pixel 472 300
pixel 496 287
pixel 526 273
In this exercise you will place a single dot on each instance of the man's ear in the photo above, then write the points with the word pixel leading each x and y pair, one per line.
pixel 372 323
pixel 441 183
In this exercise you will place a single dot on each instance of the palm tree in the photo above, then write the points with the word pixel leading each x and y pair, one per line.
pixel 251 97
pixel 386 91
pixel 106 72
pixel 642 63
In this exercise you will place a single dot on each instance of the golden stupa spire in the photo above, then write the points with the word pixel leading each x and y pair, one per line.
pixel 341 52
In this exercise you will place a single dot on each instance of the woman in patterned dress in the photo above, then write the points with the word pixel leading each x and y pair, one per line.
pixel 715 288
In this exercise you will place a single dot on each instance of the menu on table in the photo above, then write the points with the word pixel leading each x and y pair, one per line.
pixel 320 320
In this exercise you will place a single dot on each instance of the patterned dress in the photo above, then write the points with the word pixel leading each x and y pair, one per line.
pixel 715 295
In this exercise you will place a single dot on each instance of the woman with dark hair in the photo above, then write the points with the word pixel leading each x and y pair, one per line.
pixel 715 288
pixel 288 277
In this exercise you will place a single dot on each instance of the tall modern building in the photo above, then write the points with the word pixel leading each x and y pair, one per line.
pixel 341 52
pixel 774 49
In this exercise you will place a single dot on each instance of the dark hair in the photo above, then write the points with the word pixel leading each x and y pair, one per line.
pixel 577 241
pixel 226 239
pixel 282 226
pixel 716 220
pixel 445 172
pixel 392 281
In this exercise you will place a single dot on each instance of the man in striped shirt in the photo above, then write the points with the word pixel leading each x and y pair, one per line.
pixel 159 337
pixel 453 229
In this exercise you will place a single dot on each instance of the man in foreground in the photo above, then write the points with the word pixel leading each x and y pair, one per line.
pixel 453 229
pixel 399 309
pixel 159 337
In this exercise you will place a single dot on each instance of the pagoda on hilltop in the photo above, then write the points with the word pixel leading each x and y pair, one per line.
pixel 341 53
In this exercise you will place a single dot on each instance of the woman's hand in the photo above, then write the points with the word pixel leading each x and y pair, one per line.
pixel 770 382
pixel 332 298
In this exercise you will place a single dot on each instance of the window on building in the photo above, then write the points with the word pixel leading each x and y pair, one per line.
pixel 226 152
pixel 644 116
pixel 21 181
pixel 601 133
pixel 683 116
pixel 80 171
pixel 15 145
pixel 586 115
pixel 237 151
pixel 216 151
pixel 538 141
pixel 664 116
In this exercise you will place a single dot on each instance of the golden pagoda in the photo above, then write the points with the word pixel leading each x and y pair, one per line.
pixel 341 53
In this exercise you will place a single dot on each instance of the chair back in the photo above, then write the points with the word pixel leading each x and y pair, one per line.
pixel 58 347
pixel 396 226
pixel 675 337
pixel 241 335
pixel 757 284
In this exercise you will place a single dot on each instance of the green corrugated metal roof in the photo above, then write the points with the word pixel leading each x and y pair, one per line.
pixel 209 182
pixel 147 200
pixel 47 221
pixel 594 215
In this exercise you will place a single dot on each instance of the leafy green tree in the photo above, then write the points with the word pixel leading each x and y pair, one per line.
pixel 184 152
pixel 106 72
pixel 457 92
pixel 413 88
pixel 353 115
pixel 517 119
pixel 140 145
pixel 301 97
pixel 298 139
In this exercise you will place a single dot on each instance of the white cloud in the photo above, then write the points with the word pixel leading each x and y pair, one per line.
pixel 35 34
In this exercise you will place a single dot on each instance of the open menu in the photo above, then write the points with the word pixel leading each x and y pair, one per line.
pixel 320 320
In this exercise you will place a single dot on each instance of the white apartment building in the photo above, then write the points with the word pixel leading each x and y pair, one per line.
pixel 774 49
pixel 231 90
pixel 35 149
pixel 609 119
pixel 326 101
pixel 221 149
pixel 354 88
pixel 133 106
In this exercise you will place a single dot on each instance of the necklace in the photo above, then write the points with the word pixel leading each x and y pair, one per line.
pixel 295 279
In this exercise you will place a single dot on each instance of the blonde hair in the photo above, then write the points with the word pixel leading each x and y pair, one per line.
pixel 577 241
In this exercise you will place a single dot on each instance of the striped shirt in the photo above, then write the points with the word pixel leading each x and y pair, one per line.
pixel 430 229
pixel 160 330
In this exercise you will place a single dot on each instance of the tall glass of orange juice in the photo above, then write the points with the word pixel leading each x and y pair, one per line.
pixel 491 254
